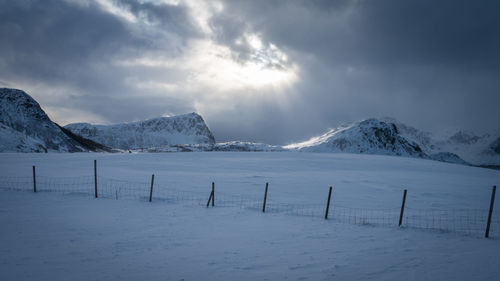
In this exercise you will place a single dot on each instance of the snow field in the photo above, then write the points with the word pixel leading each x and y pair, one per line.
pixel 54 237
pixel 47 236
pixel 367 188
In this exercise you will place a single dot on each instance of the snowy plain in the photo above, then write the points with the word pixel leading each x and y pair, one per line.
pixel 50 236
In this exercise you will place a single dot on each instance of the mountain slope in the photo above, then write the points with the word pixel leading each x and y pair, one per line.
pixel 369 136
pixel 26 127
pixel 15 141
pixel 448 157
pixel 476 149
pixel 86 143
pixel 158 132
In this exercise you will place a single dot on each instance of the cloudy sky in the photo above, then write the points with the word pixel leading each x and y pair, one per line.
pixel 261 70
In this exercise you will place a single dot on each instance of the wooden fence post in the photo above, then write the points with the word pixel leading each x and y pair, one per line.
pixel 265 198
pixel 151 191
pixel 34 179
pixel 213 194
pixel 492 202
pixel 402 208
pixel 95 178
pixel 328 203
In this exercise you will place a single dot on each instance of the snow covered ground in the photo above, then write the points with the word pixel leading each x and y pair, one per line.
pixel 50 236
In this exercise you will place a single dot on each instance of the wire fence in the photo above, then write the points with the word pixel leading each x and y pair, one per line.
pixel 470 222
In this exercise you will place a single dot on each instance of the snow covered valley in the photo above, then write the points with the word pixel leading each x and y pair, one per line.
pixel 55 236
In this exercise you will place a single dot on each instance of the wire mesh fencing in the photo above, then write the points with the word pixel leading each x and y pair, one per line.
pixel 470 222
pixel 65 185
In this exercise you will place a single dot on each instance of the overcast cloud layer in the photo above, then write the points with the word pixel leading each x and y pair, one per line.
pixel 269 71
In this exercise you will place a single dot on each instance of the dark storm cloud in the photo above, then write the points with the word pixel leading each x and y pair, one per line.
pixel 73 45
pixel 63 32
pixel 432 64
pixel 42 40
pixel 376 32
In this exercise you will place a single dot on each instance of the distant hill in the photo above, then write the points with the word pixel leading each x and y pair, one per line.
pixel 153 133
pixel 476 149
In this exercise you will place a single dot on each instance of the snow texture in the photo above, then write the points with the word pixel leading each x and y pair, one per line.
pixel 153 133
pixel 47 236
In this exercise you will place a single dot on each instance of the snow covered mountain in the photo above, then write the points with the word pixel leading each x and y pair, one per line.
pixel 475 149
pixel 369 136
pixel 391 137
pixel 483 149
pixel 153 133
pixel 24 127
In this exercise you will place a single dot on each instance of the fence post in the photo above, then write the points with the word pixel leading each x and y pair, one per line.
pixel 151 191
pixel 95 178
pixel 402 209
pixel 492 202
pixel 328 203
pixel 34 179
pixel 265 199
pixel 210 198
pixel 213 194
